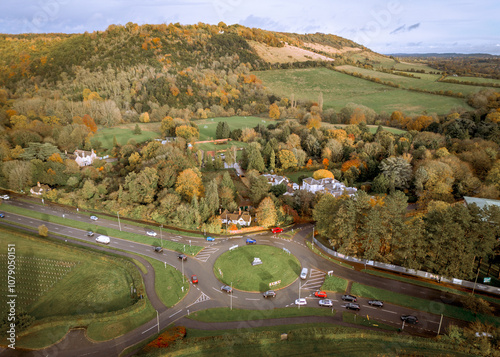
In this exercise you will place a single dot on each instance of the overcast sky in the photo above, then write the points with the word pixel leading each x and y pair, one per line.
pixel 393 26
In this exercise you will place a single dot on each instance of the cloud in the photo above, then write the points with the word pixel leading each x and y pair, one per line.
pixel 264 23
pixel 398 30
pixel 413 27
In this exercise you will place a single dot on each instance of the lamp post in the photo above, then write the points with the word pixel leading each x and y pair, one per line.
pixel 161 236
pixel 182 263
pixel 119 224
pixel 299 295
pixel 312 240
pixel 231 296
pixel 158 321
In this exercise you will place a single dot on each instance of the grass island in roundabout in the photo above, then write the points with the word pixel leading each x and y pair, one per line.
pixel 235 266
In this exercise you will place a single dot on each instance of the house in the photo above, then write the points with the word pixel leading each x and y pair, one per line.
pixel 276 180
pixel 85 158
pixel 329 185
pixel 39 190
pixel 241 218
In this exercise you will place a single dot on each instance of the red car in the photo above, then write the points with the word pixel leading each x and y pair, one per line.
pixel 320 294
pixel 194 279
pixel 277 230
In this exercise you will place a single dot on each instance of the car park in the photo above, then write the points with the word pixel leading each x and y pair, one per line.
pixel 251 241
pixel 352 306
pixel 158 249
pixel 227 289
pixel 277 230
pixel 151 233
pixel 376 303
pixel 327 303
pixel 94 218
pixel 320 294
pixel 269 293
pixel 210 239
pixel 5 197
pixel 411 319
pixel 194 279
pixel 301 301
pixel 90 234
pixel 349 298
pixel 182 256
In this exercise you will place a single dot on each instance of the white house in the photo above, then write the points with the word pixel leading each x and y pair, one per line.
pixel 39 190
pixel 332 186
pixel 85 158
pixel 241 218
pixel 275 179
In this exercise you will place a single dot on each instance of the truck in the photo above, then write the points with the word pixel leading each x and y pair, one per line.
pixel 103 239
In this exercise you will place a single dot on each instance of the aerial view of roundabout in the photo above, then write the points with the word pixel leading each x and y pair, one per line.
pixel 259 280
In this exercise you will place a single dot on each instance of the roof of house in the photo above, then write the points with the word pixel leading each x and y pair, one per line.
pixel 235 216
pixel 481 202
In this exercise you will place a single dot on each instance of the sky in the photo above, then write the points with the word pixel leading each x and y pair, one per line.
pixel 392 26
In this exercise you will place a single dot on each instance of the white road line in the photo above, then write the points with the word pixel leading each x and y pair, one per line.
pixel 392 312
pixel 252 299
pixel 150 328
pixel 280 243
pixel 217 290
pixel 175 313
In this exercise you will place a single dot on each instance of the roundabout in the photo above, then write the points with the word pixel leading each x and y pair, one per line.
pixel 277 269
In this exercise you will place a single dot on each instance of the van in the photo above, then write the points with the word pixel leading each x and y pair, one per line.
pixel 303 273
pixel 103 239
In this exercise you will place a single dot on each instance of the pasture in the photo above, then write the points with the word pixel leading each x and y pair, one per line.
pixel 124 134
pixel 207 127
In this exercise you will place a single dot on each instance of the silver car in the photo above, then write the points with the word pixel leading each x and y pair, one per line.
pixel 227 289
pixel 326 302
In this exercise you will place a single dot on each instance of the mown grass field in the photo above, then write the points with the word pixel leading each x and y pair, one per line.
pixel 236 267
pixel 63 286
pixel 340 89
pixel 475 79
pixel 207 127
pixel 426 81
pixel 334 283
pixel 371 128
pixel 123 135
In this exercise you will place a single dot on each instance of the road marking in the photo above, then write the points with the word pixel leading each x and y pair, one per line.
pixel 280 243
pixel 392 312
pixel 217 290
pixel 150 328
pixel 252 299
pixel 174 314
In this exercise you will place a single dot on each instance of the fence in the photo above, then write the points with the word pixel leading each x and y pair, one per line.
pixel 419 273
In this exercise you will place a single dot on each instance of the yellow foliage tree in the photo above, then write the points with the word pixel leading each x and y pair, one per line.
pixel 55 157
pixel 187 132
pixel 320 174
pixel 144 117
pixel 189 184
pixel 274 111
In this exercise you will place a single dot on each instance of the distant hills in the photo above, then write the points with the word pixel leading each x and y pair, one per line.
pixel 443 55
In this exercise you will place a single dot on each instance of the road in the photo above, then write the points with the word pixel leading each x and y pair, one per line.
pixel 207 293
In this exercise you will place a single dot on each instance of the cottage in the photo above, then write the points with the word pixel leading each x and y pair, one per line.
pixel 241 218
pixel 39 190
pixel 85 158
pixel 329 185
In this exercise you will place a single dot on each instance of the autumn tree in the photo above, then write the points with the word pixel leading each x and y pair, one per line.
pixel 144 117
pixel 43 231
pixel 189 184
pixel 287 159
pixel 325 163
pixel 266 213
pixel 274 111
pixel 398 170
pixel 187 132
pixel 320 174
pixel 142 186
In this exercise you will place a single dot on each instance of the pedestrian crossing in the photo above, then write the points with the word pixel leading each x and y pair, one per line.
pixel 316 279
pixel 205 254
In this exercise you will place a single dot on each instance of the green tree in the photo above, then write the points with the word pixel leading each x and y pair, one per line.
pixel 142 186
pixel 266 213
pixel 255 161
pixel 222 131
pixel 272 161
pixel 259 188
pixel 398 170
pixel 18 174
pixel 287 159
pixel 137 130
pixel 212 196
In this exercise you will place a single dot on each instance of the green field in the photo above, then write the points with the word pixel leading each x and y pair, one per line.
pixel 237 269
pixel 364 321
pixel 340 89
pixel 207 127
pixel 334 283
pixel 123 135
pixel 475 79
pixel 371 128
pixel 426 81
pixel 63 286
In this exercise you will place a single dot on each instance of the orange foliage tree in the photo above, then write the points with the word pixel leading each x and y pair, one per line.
pixel 326 162
pixel 354 162
pixel 89 122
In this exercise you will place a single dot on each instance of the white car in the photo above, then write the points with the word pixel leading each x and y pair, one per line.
pixel 301 301
pixel 94 218
pixel 5 197
pixel 151 233
pixel 327 303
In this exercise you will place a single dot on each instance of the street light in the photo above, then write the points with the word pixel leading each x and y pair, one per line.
pixel 158 321
pixel 182 263
pixel 299 295
pixel 161 236
pixel 119 224
pixel 231 296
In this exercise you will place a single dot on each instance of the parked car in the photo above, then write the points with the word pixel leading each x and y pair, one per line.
pixel 90 234
pixel 251 241
pixel 2 215
pixel 320 294
pixel 269 293
pixel 210 239
pixel 158 249
pixel 182 256
pixel 227 289
pixel 409 319
pixel 94 218
pixel 194 279
pixel 5 197
pixel 327 303
pixel 376 303
pixel 301 301
pixel 349 298
pixel 277 230
pixel 151 233
pixel 352 306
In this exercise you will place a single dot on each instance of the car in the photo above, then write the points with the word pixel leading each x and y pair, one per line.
pixel 210 239
pixel 2 215
pixel 352 306
pixel 158 249
pixel 303 273
pixel 182 256
pixel 251 241
pixel 194 279
pixel 376 303
pixel 90 234
pixel 5 197
pixel 483 334
pixel 349 298
pixel 269 293
pixel 320 294
pixel 327 303
pixel 409 319
pixel 151 233
pixel 227 289
pixel 94 218
pixel 301 301
pixel 277 230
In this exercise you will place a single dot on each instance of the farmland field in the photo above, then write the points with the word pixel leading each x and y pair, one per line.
pixel 207 127
pixel 123 135
pixel 340 89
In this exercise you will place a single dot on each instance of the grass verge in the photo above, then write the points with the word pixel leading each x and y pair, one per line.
pixel 363 321
pixel 323 255
pixel 334 283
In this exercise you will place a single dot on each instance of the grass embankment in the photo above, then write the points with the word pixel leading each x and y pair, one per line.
pixel 334 283
pixel 416 303
pixel 224 314
pixel 323 255
pixel 236 267
pixel 153 241
pixel 63 286
pixel 340 89
pixel 307 340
